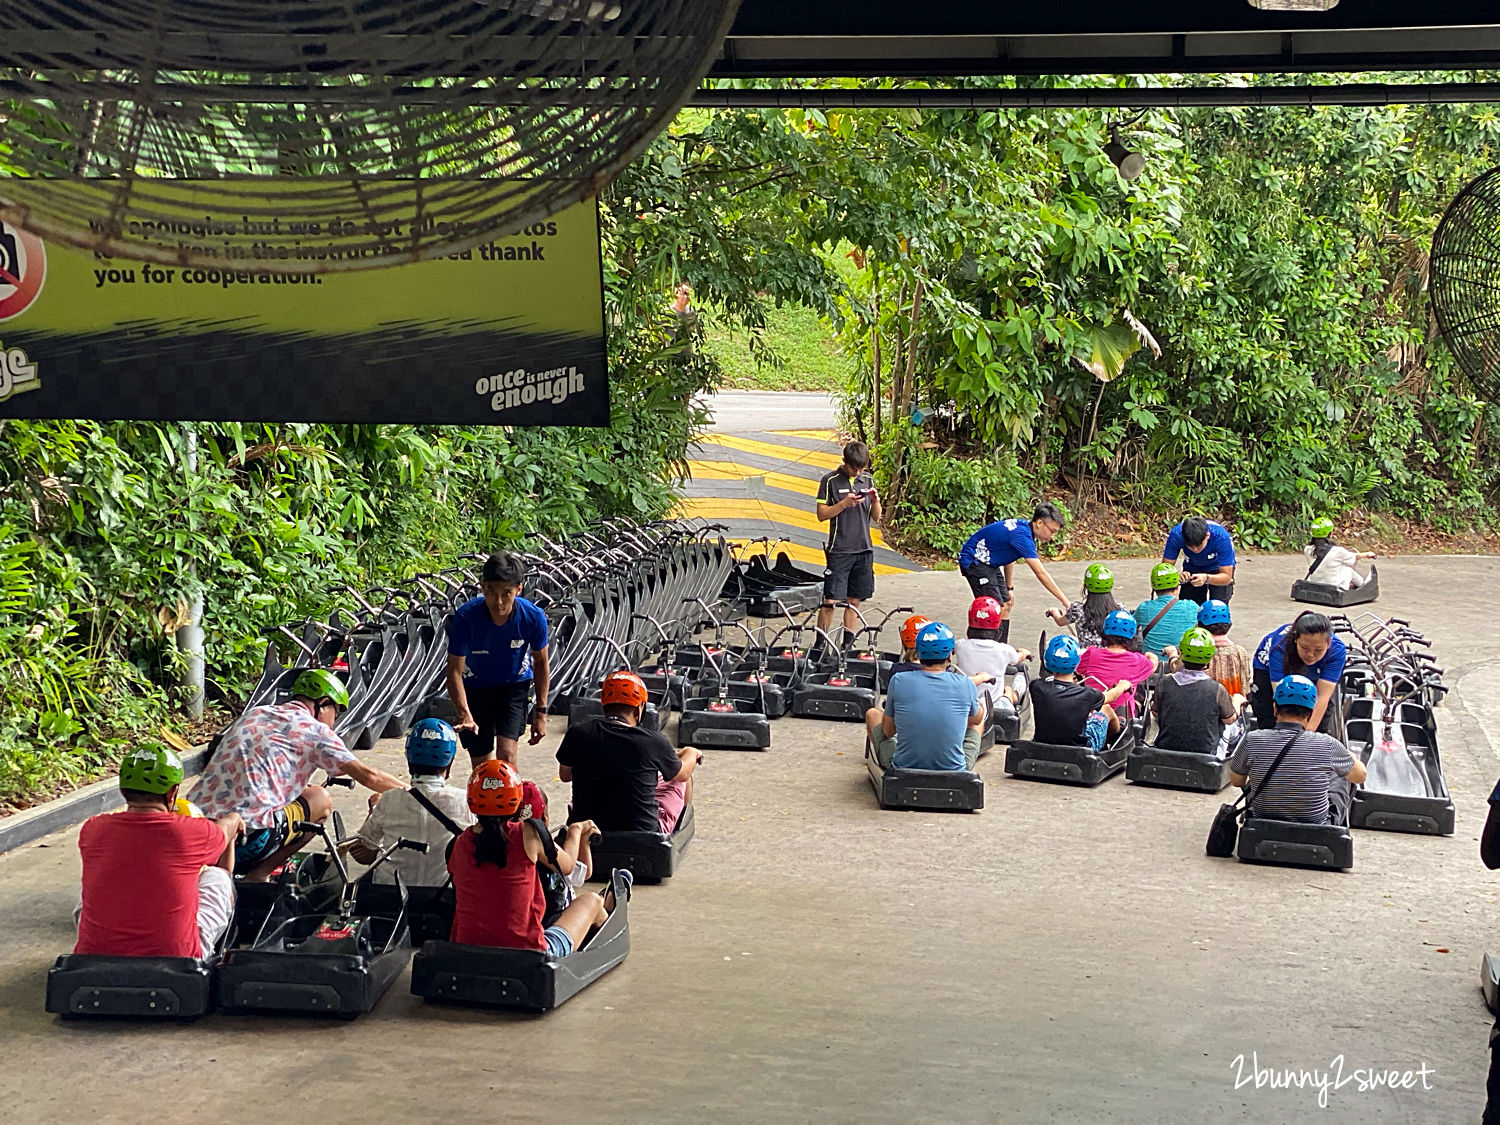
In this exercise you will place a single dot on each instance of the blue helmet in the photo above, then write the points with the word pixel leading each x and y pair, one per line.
pixel 1214 612
pixel 1120 623
pixel 934 641
pixel 1296 691
pixel 1062 654
pixel 431 744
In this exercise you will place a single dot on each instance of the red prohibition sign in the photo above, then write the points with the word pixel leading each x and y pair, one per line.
pixel 23 290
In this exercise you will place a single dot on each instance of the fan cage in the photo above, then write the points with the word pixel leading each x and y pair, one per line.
pixel 190 133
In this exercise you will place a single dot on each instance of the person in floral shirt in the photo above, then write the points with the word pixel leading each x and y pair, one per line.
pixel 263 764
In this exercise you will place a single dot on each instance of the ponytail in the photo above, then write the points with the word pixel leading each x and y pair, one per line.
pixel 489 840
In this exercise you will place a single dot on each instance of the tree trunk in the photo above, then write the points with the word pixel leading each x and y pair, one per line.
pixel 875 357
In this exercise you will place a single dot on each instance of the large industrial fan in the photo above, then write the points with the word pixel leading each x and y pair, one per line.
pixel 384 131
pixel 1464 279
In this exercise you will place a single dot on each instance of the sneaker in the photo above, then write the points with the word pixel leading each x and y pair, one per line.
pixel 1018 684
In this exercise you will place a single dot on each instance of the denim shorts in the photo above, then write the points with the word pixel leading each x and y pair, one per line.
pixel 1096 730
pixel 559 944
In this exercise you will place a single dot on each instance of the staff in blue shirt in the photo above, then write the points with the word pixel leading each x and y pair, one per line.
pixel 1207 559
pixel 1306 647
pixel 989 556
pixel 497 651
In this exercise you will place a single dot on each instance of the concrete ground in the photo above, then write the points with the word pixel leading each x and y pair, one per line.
pixel 737 411
pixel 1067 954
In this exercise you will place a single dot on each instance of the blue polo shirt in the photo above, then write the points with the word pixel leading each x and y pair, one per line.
pixel 1269 653
pixel 1217 552
pixel 999 544
pixel 496 654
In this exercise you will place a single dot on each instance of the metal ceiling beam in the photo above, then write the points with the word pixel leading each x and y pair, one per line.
pixel 1155 97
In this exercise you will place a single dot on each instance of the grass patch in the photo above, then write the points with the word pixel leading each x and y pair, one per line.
pixel 810 358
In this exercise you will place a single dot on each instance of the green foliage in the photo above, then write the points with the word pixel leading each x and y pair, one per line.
pixel 1277 256
pixel 798 354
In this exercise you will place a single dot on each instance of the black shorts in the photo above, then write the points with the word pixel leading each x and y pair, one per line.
pixel 500 711
pixel 849 576
pixel 986 581
pixel 1200 594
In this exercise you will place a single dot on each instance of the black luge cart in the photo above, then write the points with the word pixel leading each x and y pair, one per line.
pixel 1290 843
pixel 84 986
pixel 337 964
pixel 649 856
pixel 1072 765
pixel 931 790
pixel 1319 593
pixel 526 980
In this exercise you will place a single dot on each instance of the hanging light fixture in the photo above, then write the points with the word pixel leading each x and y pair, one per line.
pixel 1295 5
pixel 1130 164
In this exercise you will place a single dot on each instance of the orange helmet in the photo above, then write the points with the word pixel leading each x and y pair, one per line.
pixel 910 628
pixel 494 789
pixel 625 687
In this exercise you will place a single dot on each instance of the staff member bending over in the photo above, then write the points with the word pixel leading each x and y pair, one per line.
pixel 990 554
pixel 1207 559
pixel 1307 647
pixel 497 650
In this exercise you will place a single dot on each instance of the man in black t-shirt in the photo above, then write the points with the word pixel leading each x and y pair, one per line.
pixel 1066 711
pixel 847 502
pixel 625 778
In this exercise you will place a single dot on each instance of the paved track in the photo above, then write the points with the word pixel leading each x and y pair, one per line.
pixel 1066 955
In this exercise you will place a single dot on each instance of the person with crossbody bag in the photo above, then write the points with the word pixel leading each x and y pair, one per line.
pixel 1167 615
pixel 1316 791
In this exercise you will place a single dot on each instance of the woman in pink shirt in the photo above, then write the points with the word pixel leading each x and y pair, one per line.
pixel 1119 658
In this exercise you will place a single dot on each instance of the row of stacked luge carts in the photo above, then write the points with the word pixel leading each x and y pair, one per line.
pixel 323 939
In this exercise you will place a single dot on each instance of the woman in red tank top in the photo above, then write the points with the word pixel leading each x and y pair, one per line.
pixel 498 899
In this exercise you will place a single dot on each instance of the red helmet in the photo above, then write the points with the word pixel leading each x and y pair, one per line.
pixel 531 794
pixel 984 613
pixel 910 628
pixel 623 686
pixel 494 789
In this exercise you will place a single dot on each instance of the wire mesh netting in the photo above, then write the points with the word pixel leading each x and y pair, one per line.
pixel 1464 279
pixel 310 136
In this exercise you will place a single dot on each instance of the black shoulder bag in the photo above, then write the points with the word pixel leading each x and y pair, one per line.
pixel 554 883
pixel 1225 830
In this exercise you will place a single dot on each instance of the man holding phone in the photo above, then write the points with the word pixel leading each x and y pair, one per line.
pixel 847 502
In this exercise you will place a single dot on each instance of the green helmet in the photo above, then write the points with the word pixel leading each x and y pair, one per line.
pixel 1098 579
pixel 1196 646
pixel 151 768
pixel 317 683
pixel 1322 527
pixel 1164 576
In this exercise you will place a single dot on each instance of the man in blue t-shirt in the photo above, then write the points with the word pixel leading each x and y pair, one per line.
pixel 932 717
pixel 990 554
pixel 1207 559
pixel 497 649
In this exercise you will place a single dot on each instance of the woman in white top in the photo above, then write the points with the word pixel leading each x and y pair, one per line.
pixel 1332 565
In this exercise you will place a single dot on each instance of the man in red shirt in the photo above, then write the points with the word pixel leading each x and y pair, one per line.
pixel 155 884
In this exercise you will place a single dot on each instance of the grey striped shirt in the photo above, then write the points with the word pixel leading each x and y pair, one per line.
pixel 1299 787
